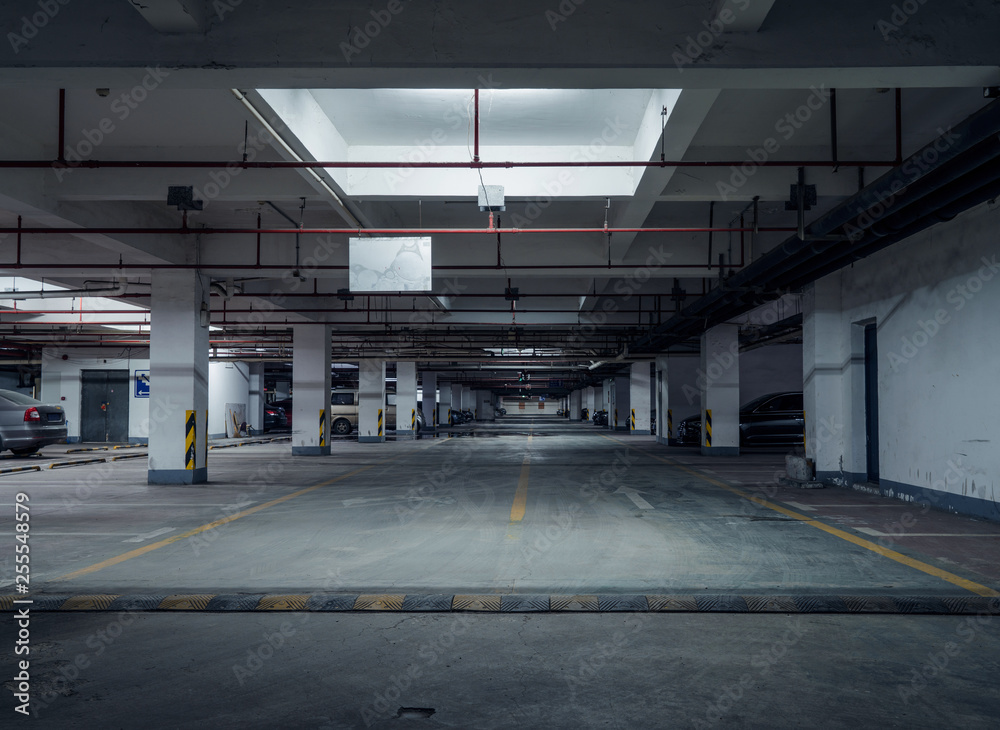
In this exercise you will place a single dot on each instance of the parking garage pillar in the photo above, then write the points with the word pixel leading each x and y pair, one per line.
pixel 638 413
pixel 468 401
pixel 444 403
pixel 178 355
pixel 428 400
pixel 457 402
pixel 484 406
pixel 255 406
pixel 833 357
pixel 661 393
pixel 371 402
pixel 575 404
pixel 719 382
pixel 406 400
pixel 622 400
pixel 311 354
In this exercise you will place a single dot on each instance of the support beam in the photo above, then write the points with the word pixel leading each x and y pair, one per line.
pixel 664 415
pixel 720 391
pixel 639 399
pixel 428 381
pixel 178 442
pixel 311 390
pixel 371 401
pixel 406 400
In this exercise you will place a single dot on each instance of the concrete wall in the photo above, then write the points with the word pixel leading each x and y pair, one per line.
pixel 532 407
pixel 61 386
pixel 934 299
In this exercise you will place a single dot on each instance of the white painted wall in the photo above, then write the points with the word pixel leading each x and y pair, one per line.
pixel 532 407
pixel 61 385
pixel 228 382
pixel 935 300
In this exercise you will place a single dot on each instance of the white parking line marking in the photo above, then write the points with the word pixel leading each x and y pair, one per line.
pixel 151 535
pixel 799 505
pixel 633 494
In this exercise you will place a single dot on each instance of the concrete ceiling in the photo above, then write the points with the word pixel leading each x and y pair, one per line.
pixel 355 83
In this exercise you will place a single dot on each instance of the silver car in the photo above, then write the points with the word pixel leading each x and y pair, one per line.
pixel 26 424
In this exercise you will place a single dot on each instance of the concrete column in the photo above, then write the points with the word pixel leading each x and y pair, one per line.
pixel 228 398
pixel 623 399
pixel 371 401
pixel 468 402
pixel 484 406
pixel 639 405
pixel 255 406
pixel 311 354
pixel 833 355
pixel 720 391
pixel 457 402
pixel 444 403
pixel 428 382
pixel 178 353
pixel 664 415
pixel 575 404
pixel 406 400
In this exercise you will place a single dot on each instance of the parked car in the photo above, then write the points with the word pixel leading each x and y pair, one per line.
pixel 285 403
pixel 274 417
pixel 775 418
pixel 344 413
pixel 600 418
pixel 27 424
pixel 500 411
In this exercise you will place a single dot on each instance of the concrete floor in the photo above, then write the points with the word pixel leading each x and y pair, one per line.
pixel 523 506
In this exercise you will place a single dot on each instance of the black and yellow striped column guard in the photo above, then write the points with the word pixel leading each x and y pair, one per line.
pixel 632 421
pixel 413 419
pixel 708 428
pixel 381 430
pixel 670 423
pixel 322 427
pixel 190 439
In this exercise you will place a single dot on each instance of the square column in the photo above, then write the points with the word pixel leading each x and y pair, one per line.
pixel 371 401
pixel 833 357
pixel 575 404
pixel 639 405
pixel 311 354
pixel 428 383
pixel 178 376
pixel 456 399
pixel 468 402
pixel 622 396
pixel 719 381
pixel 484 406
pixel 444 403
pixel 406 400
pixel 255 407
pixel 664 416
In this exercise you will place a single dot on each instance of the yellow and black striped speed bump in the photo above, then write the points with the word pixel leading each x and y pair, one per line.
pixel 123 457
pixel 514 603
pixel 77 462
pixel 20 469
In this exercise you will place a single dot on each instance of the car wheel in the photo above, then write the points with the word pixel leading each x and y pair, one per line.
pixel 27 451
pixel 341 427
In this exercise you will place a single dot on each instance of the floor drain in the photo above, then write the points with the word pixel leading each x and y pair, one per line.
pixel 415 713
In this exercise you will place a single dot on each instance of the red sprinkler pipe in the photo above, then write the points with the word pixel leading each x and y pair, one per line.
pixel 475 157
pixel 110 231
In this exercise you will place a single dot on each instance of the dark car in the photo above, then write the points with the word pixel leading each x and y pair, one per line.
pixel 286 404
pixel 27 424
pixel 775 418
pixel 274 417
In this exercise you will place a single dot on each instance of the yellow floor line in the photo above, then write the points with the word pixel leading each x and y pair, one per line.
pixel 224 521
pixel 519 507
pixel 957 580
